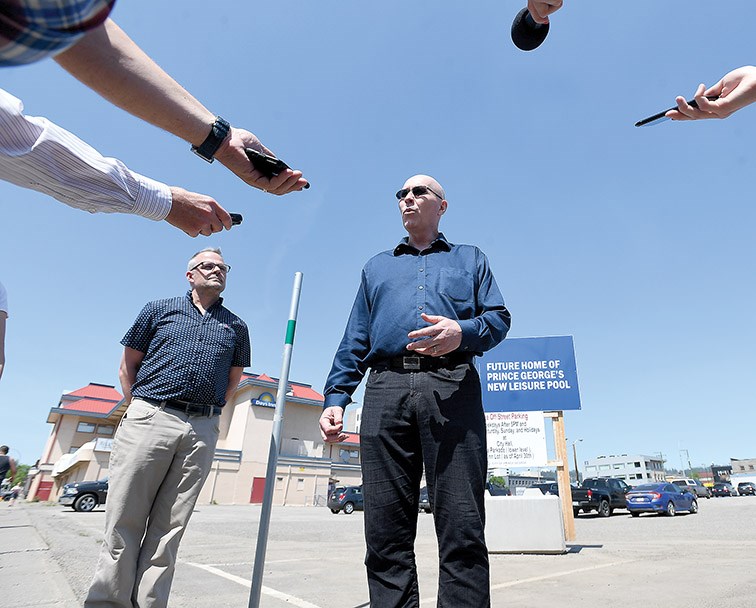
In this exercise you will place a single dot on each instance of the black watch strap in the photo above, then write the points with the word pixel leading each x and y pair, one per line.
pixel 207 149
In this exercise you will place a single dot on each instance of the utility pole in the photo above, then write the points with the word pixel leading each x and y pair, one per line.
pixel 682 463
pixel 687 459
pixel 574 457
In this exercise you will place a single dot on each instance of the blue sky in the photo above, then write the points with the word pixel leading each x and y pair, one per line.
pixel 638 242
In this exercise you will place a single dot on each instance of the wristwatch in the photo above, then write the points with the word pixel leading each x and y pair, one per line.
pixel 207 149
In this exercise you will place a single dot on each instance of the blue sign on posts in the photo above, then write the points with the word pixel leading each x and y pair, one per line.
pixel 530 374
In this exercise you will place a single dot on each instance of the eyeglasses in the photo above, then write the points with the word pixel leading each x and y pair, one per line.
pixel 210 266
pixel 417 191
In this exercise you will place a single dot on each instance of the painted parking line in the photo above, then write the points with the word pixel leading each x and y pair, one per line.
pixel 267 561
pixel 285 597
pixel 536 579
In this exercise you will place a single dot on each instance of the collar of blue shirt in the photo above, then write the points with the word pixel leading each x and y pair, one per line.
pixel 439 243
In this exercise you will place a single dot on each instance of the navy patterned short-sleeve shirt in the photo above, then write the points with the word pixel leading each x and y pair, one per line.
pixel 187 355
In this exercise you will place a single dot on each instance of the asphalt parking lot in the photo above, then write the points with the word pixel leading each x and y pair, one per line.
pixel 48 553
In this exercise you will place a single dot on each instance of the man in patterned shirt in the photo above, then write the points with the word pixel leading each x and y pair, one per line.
pixel 182 361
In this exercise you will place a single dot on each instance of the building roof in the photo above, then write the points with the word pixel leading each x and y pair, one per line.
pixel 96 391
pixel 94 406
pixel 298 390
pixel 306 392
pixel 353 438
pixel 99 400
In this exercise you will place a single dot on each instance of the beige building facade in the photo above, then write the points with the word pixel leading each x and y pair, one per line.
pixel 84 423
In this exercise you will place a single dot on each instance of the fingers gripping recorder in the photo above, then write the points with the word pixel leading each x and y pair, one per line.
pixel 269 166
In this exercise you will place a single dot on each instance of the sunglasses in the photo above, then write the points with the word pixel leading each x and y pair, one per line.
pixel 417 191
pixel 210 266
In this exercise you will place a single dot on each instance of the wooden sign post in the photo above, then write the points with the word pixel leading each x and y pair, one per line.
pixel 563 473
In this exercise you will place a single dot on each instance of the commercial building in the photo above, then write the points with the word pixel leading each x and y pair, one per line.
pixel 634 469
pixel 743 469
pixel 743 466
pixel 84 422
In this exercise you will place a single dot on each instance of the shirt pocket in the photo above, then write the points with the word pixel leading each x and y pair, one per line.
pixel 456 284
pixel 222 338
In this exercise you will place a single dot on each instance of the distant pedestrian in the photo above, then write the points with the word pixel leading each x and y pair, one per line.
pixel 6 464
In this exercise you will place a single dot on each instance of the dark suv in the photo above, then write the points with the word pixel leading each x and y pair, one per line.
pixel 747 487
pixel 84 495
pixel 348 499
pixel 723 489
pixel 424 504
pixel 495 489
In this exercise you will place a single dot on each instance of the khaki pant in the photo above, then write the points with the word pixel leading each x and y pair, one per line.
pixel 160 460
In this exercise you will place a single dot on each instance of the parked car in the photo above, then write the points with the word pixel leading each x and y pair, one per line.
pixel 346 498
pixel 425 501
pixel 547 487
pixel 694 486
pixel 723 489
pixel 747 487
pixel 666 498
pixel 604 495
pixel 578 494
pixel 495 489
pixel 600 494
pixel 84 496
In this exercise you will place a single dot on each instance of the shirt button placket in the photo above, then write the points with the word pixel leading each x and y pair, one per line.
pixel 421 295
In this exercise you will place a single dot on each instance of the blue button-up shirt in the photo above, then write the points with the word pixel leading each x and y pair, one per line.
pixel 30 31
pixel 187 355
pixel 398 286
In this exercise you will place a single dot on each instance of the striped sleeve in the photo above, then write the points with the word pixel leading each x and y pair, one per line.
pixel 37 154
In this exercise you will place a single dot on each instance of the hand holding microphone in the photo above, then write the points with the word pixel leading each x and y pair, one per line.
pixel 541 9
pixel 531 25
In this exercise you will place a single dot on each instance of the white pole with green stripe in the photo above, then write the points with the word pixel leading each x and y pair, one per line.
pixel 275 440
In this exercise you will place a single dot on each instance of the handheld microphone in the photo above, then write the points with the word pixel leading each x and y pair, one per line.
pixel 526 33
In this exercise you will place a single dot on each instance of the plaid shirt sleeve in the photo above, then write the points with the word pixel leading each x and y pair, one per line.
pixel 32 30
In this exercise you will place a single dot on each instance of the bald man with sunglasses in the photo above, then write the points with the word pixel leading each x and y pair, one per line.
pixel 423 311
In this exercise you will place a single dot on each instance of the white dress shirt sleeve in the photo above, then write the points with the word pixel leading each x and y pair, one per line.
pixel 37 154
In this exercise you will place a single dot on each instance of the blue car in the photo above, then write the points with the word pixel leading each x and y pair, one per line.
pixel 664 498
pixel 348 499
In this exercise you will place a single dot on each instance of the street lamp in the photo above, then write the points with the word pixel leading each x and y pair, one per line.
pixel 574 456
pixel 687 456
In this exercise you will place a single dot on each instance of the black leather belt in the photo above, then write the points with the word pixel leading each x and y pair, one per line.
pixel 187 407
pixel 422 363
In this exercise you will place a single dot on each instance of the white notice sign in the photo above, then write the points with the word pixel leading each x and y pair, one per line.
pixel 516 439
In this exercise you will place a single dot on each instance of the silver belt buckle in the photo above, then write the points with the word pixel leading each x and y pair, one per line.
pixel 411 362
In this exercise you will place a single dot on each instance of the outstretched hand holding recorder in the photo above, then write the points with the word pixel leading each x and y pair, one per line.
pixel 664 114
